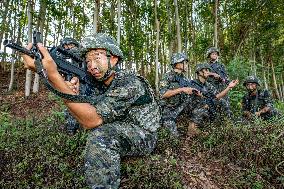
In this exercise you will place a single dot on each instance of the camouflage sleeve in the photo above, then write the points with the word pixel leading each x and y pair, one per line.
pixel 119 99
pixel 244 104
pixel 212 90
pixel 267 99
pixel 164 85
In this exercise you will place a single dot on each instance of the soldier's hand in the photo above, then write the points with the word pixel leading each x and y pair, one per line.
pixel 247 114
pixel 215 75
pixel 257 114
pixel 188 90
pixel 233 83
pixel 29 61
pixel 47 61
pixel 74 84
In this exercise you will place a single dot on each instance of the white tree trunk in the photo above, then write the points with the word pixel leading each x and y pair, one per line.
pixel 274 80
pixel 29 72
pixel 282 87
pixel 157 50
pixel 12 74
pixel 95 18
pixel 118 21
pixel 178 26
pixel 216 24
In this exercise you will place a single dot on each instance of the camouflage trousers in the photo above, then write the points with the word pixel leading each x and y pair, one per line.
pixel 71 124
pixel 169 118
pixel 105 147
pixel 201 114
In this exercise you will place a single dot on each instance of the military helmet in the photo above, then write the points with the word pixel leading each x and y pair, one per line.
pixel 101 41
pixel 68 40
pixel 177 58
pixel 251 79
pixel 199 67
pixel 211 50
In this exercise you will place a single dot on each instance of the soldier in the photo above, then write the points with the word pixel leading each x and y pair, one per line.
pixel 173 92
pixel 69 43
pixel 208 101
pixel 218 76
pixel 123 117
pixel 257 102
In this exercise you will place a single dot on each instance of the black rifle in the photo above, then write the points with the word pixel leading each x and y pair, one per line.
pixel 208 98
pixel 76 68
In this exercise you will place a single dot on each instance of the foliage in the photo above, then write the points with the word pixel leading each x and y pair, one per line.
pixel 32 158
pixel 37 153
pixel 255 148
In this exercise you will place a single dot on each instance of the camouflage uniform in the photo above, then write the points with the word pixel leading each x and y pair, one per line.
pixel 128 129
pixel 221 83
pixel 71 124
pixel 203 109
pixel 173 106
pixel 255 102
pixel 130 120
pixel 208 107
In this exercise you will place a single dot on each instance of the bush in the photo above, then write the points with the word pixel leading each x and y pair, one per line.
pixel 256 148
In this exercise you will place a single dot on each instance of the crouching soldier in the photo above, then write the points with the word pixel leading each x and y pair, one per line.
pixel 207 101
pixel 173 92
pixel 257 102
pixel 122 115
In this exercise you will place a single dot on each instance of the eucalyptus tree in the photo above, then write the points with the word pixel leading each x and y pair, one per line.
pixel 157 24
pixel 29 72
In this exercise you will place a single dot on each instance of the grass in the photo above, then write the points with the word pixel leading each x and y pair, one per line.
pixel 37 153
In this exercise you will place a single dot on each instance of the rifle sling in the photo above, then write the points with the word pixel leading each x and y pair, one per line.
pixel 142 100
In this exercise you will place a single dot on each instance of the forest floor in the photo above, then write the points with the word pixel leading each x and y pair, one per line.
pixel 195 170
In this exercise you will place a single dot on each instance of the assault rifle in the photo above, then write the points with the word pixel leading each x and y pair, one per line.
pixel 76 68
pixel 208 98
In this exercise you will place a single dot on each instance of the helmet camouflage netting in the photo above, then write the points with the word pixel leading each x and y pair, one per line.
pixel 251 79
pixel 101 41
pixel 211 50
pixel 199 67
pixel 177 58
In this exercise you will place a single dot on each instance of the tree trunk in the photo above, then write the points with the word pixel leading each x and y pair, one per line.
pixel 29 72
pixel 96 17
pixel 178 26
pixel 118 21
pixel 274 78
pixel 263 71
pixel 282 87
pixel 216 23
pixel 157 50
pixel 41 19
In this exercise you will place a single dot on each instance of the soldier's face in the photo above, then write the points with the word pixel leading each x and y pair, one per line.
pixel 214 56
pixel 69 46
pixel 205 73
pixel 251 86
pixel 97 62
pixel 181 67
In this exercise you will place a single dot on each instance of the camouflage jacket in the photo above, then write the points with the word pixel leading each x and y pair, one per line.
pixel 219 69
pixel 170 81
pixel 254 103
pixel 129 98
